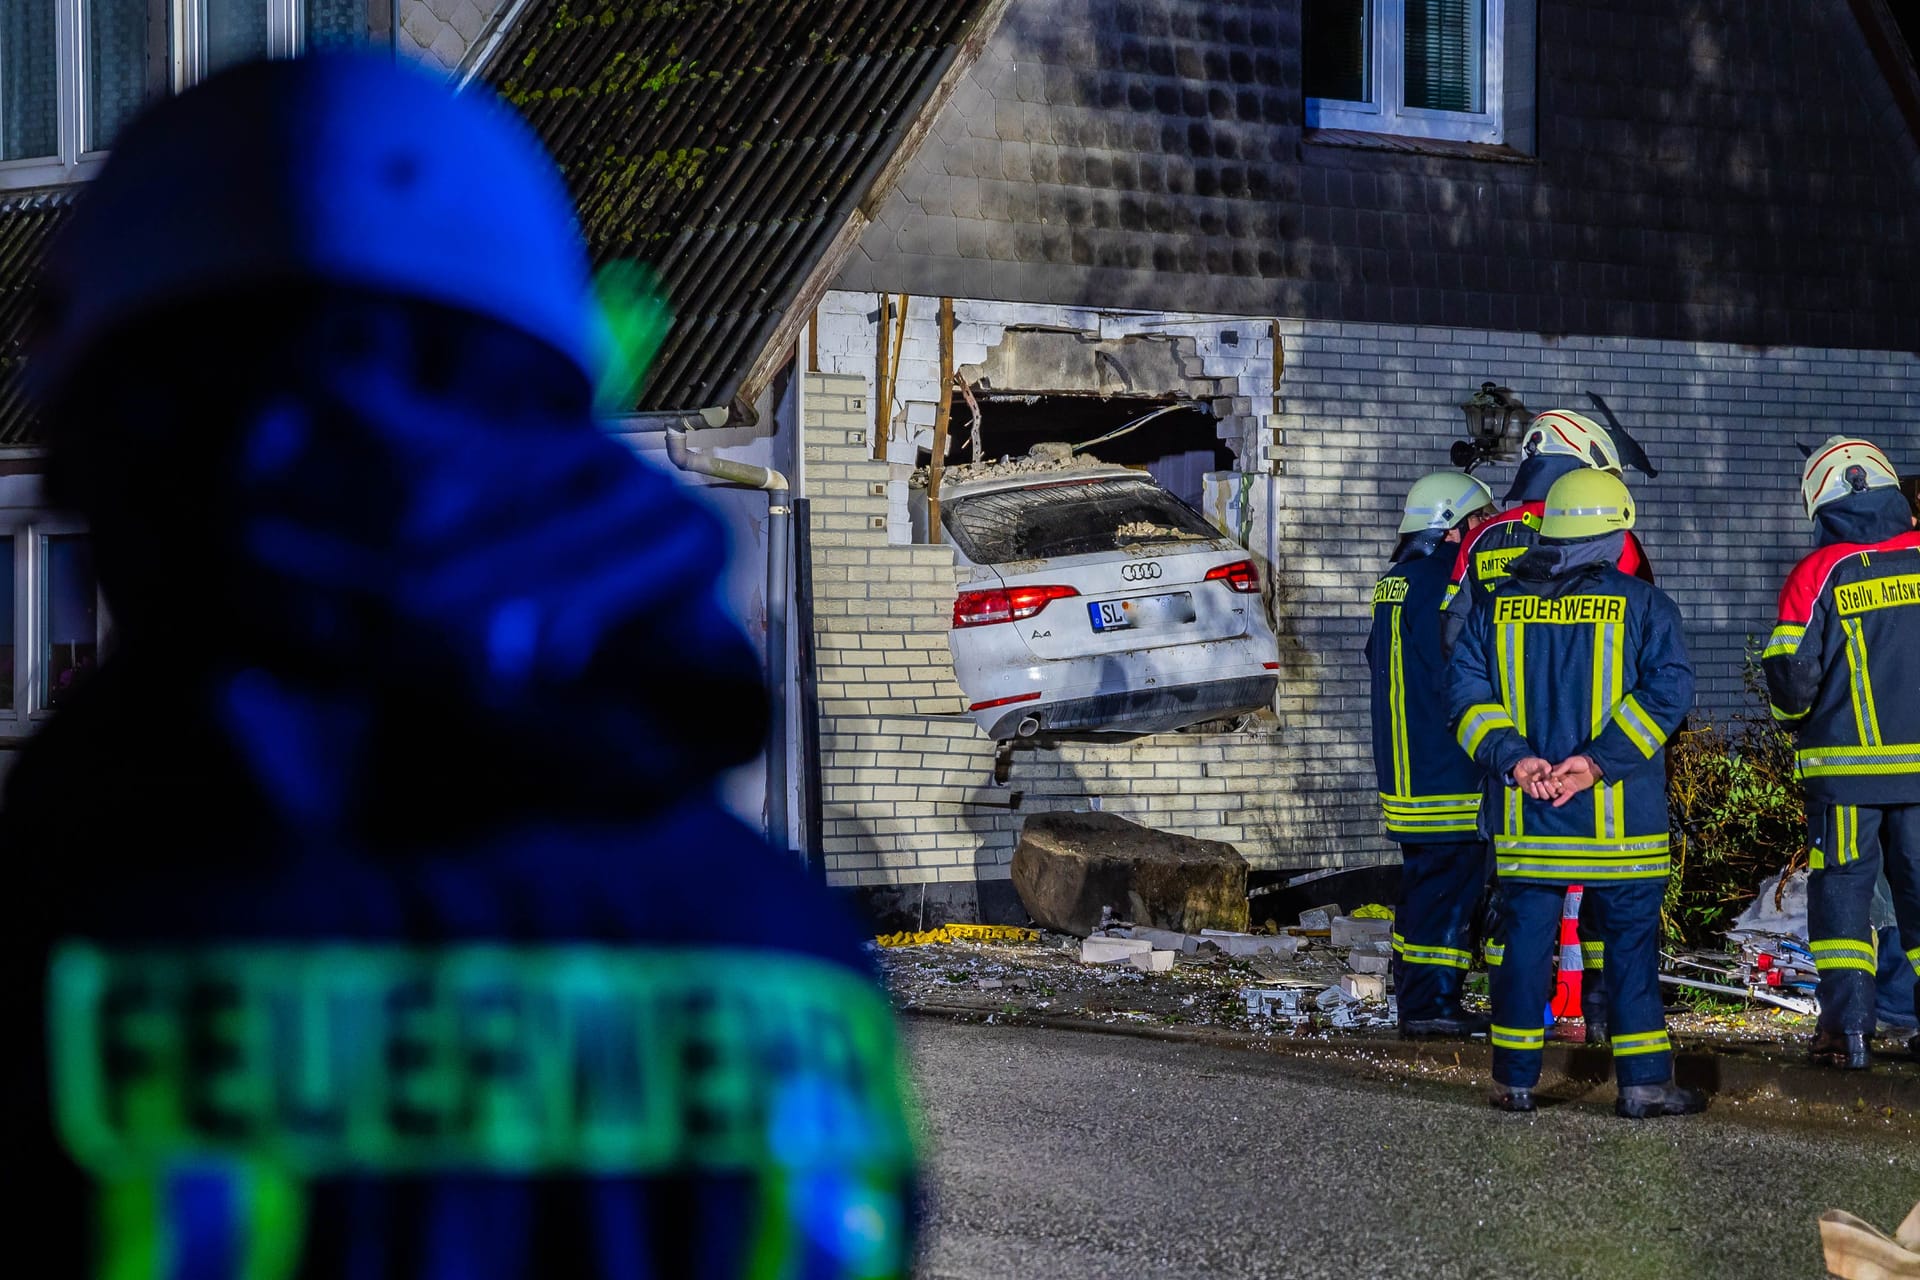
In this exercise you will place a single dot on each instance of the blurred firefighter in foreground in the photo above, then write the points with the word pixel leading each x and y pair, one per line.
pixel 1429 791
pixel 1565 687
pixel 1843 674
pixel 373 893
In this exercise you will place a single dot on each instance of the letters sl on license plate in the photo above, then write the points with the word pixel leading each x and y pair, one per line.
pixel 1119 615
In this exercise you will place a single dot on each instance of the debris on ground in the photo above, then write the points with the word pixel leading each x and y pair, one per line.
pixel 1293 982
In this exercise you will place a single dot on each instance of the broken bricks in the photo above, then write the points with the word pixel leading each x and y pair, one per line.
pixel 1106 950
pixel 1350 931
pixel 1282 946
pixel 1155 961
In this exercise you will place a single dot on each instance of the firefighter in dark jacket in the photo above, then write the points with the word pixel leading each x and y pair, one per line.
pixel 1429 792
pixel 373 913
pixel 1565 687
pixel 1843 674
pixel 1557 443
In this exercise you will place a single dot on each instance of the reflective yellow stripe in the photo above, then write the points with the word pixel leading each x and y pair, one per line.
pixel 1593 955
pixel 1522 1038
pixel 1397 712
pixel 1786 717
pixel 1913 958
pixel 1785 641
pixel 1866 720
pixel 1431 815
pixel 1847 825
pixel 1572 859
pixel 1414 953
pixel 1862 761
pixel 1478 721
pixel 1835 954
pixel 1639 726
pixel 1446 601
pixel 1495 952
pixel 1580 846
pixel 1641 1042
pixel 1511 646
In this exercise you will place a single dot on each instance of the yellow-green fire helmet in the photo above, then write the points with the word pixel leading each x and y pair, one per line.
pixel 1441 500
pixel 1587 504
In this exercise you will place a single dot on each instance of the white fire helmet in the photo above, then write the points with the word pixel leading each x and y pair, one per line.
pixel 1843 466
pixel 1564 433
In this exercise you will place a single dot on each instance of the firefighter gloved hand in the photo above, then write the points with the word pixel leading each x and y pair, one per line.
pixel 1572 776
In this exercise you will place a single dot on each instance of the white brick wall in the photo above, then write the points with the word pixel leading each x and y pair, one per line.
pixel 1366 410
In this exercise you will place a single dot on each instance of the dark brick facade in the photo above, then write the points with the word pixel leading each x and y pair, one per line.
pixel 1717 170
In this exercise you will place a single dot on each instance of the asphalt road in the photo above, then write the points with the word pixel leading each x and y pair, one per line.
pixel 1063 1154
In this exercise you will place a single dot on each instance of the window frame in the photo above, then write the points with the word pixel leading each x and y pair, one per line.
pixel 31 617
pixel 1386 113
pixel 186 22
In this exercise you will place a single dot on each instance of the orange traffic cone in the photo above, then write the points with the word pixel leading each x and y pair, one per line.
pixel 1566 986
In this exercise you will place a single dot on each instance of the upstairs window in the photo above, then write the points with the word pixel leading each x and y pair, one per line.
pixel 74 72
pixel 1421 68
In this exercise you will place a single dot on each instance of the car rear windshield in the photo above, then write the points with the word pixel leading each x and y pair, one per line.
pixel 1070 520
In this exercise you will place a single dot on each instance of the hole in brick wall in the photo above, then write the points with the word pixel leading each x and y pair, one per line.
pixel 1177 448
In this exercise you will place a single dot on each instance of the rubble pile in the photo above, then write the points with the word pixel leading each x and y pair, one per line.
pixel 1047 458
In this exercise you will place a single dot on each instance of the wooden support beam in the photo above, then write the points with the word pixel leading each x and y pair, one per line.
pixel 942 419
pixel 882 393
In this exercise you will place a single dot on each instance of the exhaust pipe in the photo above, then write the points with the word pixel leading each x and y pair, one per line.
pixel 1027 727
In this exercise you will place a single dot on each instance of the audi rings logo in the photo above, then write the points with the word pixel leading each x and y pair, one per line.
pixel 1140 571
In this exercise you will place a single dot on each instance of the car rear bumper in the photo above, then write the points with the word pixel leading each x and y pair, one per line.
pixel 1137 711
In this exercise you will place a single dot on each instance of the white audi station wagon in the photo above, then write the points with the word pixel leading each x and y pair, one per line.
pixel 1099 604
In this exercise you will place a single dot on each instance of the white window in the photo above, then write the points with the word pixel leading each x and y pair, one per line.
pixel 52 627
pixel 1421 68
pixel 73 72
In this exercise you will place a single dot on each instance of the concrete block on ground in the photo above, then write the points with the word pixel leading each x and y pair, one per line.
pixel 1349 931
pixel 1155 961
pixel 1168 939
pixel 1069 866
pixel 1112 950
pixel 1320 917
pixel 1284 946
pixel 1363 986
pixel 1360 962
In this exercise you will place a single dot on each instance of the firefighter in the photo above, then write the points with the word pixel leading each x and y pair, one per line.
pixel 1565 687
pixel 1429 792
pixel 1557 443
pixel 1843 667
pixel 366 926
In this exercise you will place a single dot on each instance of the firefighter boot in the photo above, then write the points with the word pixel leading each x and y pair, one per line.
pixel 1643 1101
pixel 1458 1025
pixel 1846 1050
pixel 1510 1098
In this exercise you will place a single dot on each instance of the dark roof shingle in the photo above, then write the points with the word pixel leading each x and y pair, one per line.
pixel 727 143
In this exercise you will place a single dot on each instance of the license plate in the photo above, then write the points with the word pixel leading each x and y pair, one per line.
pixel 1149 612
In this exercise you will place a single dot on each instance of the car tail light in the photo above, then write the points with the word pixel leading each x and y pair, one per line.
pixel 1239 576
pixel 1010 604
pixel 1005 702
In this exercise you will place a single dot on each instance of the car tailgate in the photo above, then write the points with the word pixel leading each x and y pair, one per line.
pixel 1151 600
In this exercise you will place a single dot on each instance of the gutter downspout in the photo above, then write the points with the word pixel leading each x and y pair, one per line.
pixel 779 525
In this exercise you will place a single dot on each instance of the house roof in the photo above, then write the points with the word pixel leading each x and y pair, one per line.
pixel 25 224
pixel 730 144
